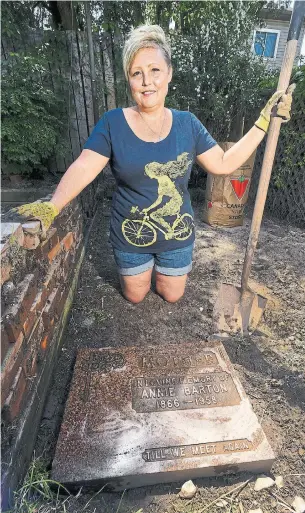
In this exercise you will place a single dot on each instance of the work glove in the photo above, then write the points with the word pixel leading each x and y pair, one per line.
pixel 45 212
pixel 276 108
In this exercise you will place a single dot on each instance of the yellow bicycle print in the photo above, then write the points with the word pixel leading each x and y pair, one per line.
pixel 143 232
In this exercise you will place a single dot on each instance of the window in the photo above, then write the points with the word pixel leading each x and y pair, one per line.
pixel 265 42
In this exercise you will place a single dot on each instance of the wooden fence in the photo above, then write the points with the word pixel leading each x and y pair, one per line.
pixel 73 67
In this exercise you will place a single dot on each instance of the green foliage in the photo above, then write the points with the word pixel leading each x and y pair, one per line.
pixel 279 4
pixel 34 90
pixel 290 156
pixel 118 17
pixel 40 494
pixel 17 19
pixel 216 75
pixel 32 115
pixel 36 492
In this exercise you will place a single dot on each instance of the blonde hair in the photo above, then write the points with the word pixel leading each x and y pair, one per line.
pixel 145 36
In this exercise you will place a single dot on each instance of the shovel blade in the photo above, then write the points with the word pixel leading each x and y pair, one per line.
pixel 235 312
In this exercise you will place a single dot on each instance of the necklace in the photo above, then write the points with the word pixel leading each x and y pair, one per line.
pixel 155 133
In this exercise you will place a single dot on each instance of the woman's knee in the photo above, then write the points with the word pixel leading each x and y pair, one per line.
pixel 135 288
pixel 170 288
pixel 171 296
pixel 134 297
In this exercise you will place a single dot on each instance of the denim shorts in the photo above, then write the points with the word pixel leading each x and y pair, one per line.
pixel 176 262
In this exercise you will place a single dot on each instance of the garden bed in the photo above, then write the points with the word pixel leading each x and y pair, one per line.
pixel 270 363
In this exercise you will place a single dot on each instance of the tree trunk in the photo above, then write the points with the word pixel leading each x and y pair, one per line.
pixel 138 13
pixel 63 14
pixel 159 13
pixel 108 69
pixel 67 15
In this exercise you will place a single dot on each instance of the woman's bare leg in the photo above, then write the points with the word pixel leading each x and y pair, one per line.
pixel 171 288
pixel 136 287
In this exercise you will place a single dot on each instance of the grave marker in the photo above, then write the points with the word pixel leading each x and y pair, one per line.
pixel 138 416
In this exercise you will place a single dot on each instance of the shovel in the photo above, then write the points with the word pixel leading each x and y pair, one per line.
pixel 239 308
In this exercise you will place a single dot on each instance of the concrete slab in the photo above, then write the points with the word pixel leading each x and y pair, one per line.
pixel 139 416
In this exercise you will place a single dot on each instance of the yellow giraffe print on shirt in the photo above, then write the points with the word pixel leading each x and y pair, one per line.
pixel 165 174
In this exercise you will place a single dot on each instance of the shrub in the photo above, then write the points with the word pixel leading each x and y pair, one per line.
pixel 33 116
pixel 285 198
pixel 216 74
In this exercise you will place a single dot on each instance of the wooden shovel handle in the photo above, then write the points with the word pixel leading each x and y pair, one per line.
pixel 273 135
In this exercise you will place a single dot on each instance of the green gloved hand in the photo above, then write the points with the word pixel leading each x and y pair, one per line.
pixel 45 212
pixel 282 109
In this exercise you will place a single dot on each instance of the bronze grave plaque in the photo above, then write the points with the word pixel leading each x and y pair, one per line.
pixel 169 393
pixel 139 416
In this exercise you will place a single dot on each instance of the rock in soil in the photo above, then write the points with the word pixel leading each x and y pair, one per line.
pixel 188 490
pixel 299 504
pixel 263 482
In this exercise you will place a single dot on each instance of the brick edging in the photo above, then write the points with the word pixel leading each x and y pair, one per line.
pixel 38 291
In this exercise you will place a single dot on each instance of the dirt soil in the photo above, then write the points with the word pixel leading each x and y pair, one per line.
pixel 270 363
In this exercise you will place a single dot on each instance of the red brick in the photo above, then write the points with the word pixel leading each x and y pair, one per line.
pixel 46 246
pixel 52 275
pixel 54 252
pixel 73 219
pixel 77 253
pixel 29 322
pixel 67 241
pixel 78 227
pixel 50 242
pixel 5 344
pixel 61 303
pixel 61 226
pixel 5 272
pixel 10 364
pixel 39 301
pixel 16 314
pixel 46 339
pixel 13 327
pixel 64 215
pixel 33 342
pixel 61 230
pixel 31 241
pixel 29 363
pixel 76 214
pixel 44 343
pixel 15 400
pixel 67 265
pixel 50 308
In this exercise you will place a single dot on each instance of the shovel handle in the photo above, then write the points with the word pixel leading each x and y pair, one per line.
pixel 273 135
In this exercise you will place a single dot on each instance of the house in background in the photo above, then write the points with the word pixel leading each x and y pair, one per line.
pixel 269 40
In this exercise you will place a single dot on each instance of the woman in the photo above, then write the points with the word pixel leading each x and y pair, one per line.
pixel 152 150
